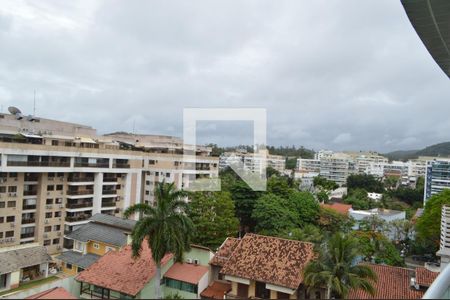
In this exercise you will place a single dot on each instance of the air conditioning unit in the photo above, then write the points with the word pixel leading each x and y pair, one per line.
pixel 59 233
pixel 61 206
pixel 12 225
pixel 46 221
pixel 189 260
pixel 48 193
pixel 48 206
pixel 45 235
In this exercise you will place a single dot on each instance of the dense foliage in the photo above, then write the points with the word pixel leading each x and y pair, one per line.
pixel 363 181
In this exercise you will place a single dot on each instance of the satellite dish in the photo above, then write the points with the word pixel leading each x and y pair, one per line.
pixel 14 110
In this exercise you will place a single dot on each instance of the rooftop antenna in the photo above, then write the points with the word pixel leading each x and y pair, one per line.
pixel 134 126
pixel 34 104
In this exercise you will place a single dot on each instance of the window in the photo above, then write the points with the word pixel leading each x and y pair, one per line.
pixel 48 215
pixel 59 187
pixel 167 175
pixel 12 189
pixel 47 228
pixel 2 219
pixel 51 175
pixel 156 173
pixel 147 192
pixel 96 246
pixel 2 204
pixel 56 227
pixel 69 266
pixel 181 285
pixel 2 189
pixel 10 219
pixel 1 235
pixel 11 203
pixel 79 246
pixel 50 187
pixel 9 234
pixel 46 242
pixel 107 249
pixel 151 162
pixel 13 175
pixel 58 200
pixel 3 281
pixel 80 269
pixel 55 241
pixel 54 143
pixel 57 214
pixel 49 201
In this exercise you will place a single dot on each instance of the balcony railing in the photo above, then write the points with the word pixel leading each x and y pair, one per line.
pixel 77 218
pixel 109 192
pixel 27 235
pixel 38 163
pixel 109 179
pixel 80 192
pixel 121 166
pixel 91 165
pixel 30 193
pixel 78 179
pixel 79 205
pixel 29 206
pixel 108 204
pixel 28 221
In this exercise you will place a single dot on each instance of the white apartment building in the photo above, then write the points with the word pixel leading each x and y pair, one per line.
pixel 305 165
pixel 444 247
pixel 337 167
pixel 55 175
pixel 437 177
pixel 255 163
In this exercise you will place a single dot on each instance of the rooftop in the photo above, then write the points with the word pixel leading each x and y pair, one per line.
pixel 78 259
pixel 119 271
pixel 425 277
pixel 190 273
pixel 54 293
pixel 392 283
pixel 224 252
pixel 216 290
pixel 338 207
pixel 269 259
pixel 113 221
pixel 13 260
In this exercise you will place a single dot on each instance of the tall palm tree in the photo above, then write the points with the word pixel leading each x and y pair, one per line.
pixel 335 268
pixel 164 227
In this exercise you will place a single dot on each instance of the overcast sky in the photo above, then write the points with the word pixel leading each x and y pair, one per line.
pixel 344 75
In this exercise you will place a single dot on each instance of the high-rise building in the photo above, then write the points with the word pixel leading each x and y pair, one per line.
pixel 437 177
pixel 444 247
pixel 55 175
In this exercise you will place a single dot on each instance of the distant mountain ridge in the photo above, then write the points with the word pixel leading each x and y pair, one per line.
pixel 441 150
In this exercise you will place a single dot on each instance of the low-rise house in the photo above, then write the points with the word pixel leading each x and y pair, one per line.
pixel 22 263
pixel 397 283
pixel 387 215
pixel 375 196
pixel 88 243
pixel 259 266
pixel 341 208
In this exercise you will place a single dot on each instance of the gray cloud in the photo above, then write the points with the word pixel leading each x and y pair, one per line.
pixel 331 75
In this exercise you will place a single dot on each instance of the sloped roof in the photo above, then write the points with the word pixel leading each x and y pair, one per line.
pixel 14 260
pixel 224 252
pixel 114 221
pixel 119 271
pixel 54 293
pixel 425 277
pixel 392 283
pixel 216 290
pixel 186 272
pixel 338 207
pixel 78 259
pixel 99 233
pixel 269 259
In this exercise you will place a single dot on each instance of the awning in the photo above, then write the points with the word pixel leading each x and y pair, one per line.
pixel 86 140
pixel 59 137
pixel 30 135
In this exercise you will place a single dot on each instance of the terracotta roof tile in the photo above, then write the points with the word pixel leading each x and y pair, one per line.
pixel 392 283
pixel 216 290
pixel 425 277
pixel 269 259
pixel 54 293
pixel 186 272
pixel 118 271
pixel 224 252
pixel 338 207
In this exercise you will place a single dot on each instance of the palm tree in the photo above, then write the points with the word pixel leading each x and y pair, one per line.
pixel 335 268
pixel 164 227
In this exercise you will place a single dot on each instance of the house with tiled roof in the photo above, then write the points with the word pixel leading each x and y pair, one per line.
pixel 53 293
pixel 338 207
pixel 85 245
pixel 258 266
pixel 118 275
pixel 397 283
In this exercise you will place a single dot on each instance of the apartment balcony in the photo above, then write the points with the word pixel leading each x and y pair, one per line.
pixel 80 179
pixel 78 205
pixel 28 207
pixel 30 193
pixel 38 164
pixel 80 192
pixel 91 165
pixel 109 192
pixel 108 204
pixel 109 179
pixel 28 221
pixel 27 235
pixel 79 218
pixel 121 166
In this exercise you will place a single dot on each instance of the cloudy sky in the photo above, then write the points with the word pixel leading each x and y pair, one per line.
pixel 347 75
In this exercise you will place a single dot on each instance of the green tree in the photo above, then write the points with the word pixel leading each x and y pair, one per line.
pixel 304 206
pixel 324 183
pixel 164 227
pixel 391 182
pixel 323 196
pixel 278 185
pixel 429 224
pixel 358 199
pixel 335 269
pixel 332 221
pixel 213 216
pixel 273 216
pixel 309 233
pixel 244 201
pixel 374 246
pixel 366 182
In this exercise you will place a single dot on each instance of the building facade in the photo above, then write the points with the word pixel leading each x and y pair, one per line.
pixel 437 177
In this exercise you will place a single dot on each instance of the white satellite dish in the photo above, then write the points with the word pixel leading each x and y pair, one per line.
pixel 15 111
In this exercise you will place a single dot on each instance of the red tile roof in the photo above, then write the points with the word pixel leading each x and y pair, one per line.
pixel 392 283
pixel 216 290
pixel 269 259
pixel 119 271
pixel 190 273
pixel 425 277
pixel 339 207
pixel 54 293
pixel 224 252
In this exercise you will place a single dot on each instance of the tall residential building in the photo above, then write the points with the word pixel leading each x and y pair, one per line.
pixel 337 167
pixel 437 177
pixel 253 162
pixel 444 247
pixel 55 175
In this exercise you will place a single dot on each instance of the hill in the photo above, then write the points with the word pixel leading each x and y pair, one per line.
pixel 441 150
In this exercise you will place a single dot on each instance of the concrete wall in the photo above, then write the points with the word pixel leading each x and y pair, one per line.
pixel 69 284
